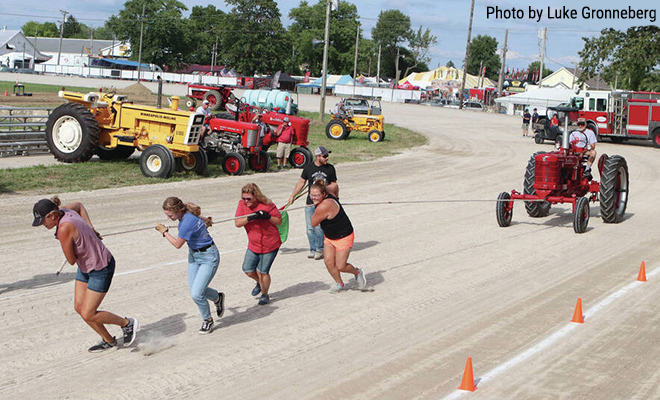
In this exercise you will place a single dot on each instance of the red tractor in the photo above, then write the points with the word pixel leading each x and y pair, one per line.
pixel 558 177
pixel 236 138
pixel 217 95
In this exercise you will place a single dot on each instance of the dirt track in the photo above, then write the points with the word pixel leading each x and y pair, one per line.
pixel 449 283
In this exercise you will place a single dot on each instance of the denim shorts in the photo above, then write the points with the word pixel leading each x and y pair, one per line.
pixel 259 262
pixel 98 281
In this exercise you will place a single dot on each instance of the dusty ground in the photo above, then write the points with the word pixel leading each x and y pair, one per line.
pixel 449 284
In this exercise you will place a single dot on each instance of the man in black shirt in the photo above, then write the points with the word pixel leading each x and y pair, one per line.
pixel 319 169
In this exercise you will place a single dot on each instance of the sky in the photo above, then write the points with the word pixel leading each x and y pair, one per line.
pixel 448 20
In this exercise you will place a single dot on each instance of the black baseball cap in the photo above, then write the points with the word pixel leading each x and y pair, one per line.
pixel 321 151
pixel 41 209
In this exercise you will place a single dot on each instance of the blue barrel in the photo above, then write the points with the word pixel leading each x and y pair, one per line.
pixel 269 99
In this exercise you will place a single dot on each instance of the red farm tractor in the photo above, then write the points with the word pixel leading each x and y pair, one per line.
pixel 559 177
pixel 217 95
pixel 234 137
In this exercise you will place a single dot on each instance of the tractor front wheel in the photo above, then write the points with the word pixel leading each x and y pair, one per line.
pixel 300 156
pixel 504 209
pixel 233 164
pixel 534 209
pixel 157 161
pixel 614 188
pixel 336 129
pixel 193 162
pixel 581 215
pixel 191 103
pixel 72 133
pixel 260 162
pixel 375 136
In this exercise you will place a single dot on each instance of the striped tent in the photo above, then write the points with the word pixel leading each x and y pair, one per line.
pixel 445 76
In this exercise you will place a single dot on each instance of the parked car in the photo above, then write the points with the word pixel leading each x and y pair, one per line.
pixel 362 106
pixel 473 105
pixel 438 102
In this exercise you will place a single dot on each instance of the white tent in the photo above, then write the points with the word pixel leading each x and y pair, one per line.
pixel 537 98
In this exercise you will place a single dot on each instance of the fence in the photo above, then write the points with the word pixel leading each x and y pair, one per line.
pixel 22 130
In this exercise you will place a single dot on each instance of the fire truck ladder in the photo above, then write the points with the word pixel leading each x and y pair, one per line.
pixel 619 117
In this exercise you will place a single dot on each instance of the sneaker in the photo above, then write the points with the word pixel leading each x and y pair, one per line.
pixel 103 346
pixel 130 331
pixel 361 279
pixel 318 255
pixel 311 254
pixel 207 326
pixel 220 304
pixel 256 290
pixel 337 288
pixel 279 167
pixel 264 299
pixel 587 174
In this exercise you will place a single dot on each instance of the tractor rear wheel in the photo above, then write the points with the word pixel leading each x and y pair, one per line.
pixel 214 98
pixel 117 153
pixel 581 215
pixel 300 156
pixel 260 162
pixel 535 209
pixel 375 136
pixel 193 162
pixel 233 164
pixel 614 188
pixel 191 103
pixel 336 129
pixel 72 133
pixel 504 209
pixel 157 161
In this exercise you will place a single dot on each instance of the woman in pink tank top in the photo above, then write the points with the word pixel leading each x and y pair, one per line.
pixel 81 244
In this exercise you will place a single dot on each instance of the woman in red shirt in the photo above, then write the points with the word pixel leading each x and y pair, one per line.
pixel 259 218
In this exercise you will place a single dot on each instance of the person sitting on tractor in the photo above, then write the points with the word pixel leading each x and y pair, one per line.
pixel 584 140
pixel 284 136
pixel 263 127
pixel 204 110
pixel 340 111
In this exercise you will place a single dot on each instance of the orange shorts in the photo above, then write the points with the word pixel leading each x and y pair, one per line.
pixel 341 244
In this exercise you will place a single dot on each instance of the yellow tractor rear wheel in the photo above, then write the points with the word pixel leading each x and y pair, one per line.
pixel 337 130
pixel 375 136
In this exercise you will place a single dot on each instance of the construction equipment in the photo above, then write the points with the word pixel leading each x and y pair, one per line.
pixel 559 177
pixel 109 125
pixel 340 127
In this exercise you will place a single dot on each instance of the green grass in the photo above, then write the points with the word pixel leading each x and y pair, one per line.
pixel 38 88
pixel 98 174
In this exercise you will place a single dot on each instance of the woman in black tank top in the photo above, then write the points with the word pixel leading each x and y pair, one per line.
pixel 338 232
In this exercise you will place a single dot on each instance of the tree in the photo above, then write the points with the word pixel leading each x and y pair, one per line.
pixel 450 64
pixel 392 29
pixel 167 38
pixel 207 23
pixel 255 40
pixel 629 58
pixel 536 66
pixel 47 29
pixel 71 27
pixel 309 24
pixel 419 47
pixel 484 49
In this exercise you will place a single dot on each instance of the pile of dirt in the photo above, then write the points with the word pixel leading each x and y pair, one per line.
pixel 136 89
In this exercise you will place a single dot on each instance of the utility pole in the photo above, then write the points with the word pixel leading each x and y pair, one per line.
pixel 500 81
pixel 481 68
pixel 467 55
pixel 357 43
pixel 378 68
pixel 214 56
pixel 574 73
pixel 324 79
pixel 545 35
pixel 293 54
pixel 34 50
pixel 59 53
pixel 396 65
pixel 140 51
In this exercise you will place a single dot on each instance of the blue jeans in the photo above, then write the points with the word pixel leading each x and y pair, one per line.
pixel 314 234
pixel 260 262
pixel 202 266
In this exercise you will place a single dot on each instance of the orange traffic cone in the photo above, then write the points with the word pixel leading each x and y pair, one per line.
pixel 642 273
pixel 468 377
pixel 577 315
pixel 6 94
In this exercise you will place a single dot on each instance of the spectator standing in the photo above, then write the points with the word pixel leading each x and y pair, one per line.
pixel 285 136
pixel 525 122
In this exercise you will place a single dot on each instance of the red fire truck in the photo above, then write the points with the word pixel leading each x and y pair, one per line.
pixel 621 115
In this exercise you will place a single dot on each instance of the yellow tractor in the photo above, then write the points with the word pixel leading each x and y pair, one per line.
pixel 108 125
pixel 340 127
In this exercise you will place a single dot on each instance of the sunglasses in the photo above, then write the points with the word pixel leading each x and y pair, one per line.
pixel 247 198
pixel 324 156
